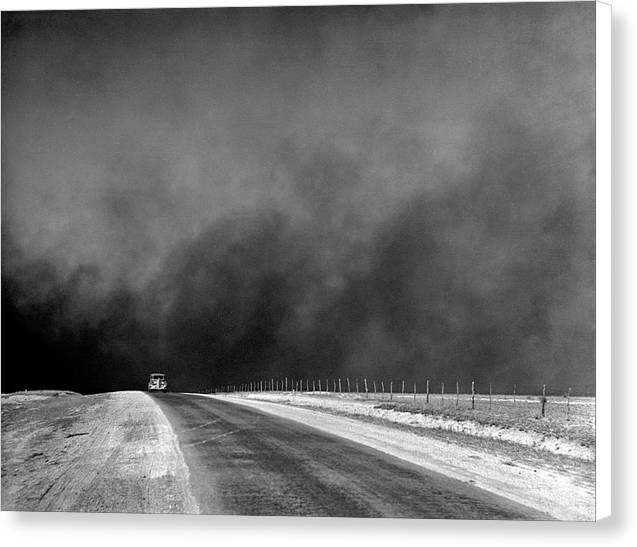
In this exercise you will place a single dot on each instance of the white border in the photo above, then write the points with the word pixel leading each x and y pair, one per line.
pixel 52 529
pixel 603 243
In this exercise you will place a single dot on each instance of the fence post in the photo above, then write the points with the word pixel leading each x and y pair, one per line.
pixel 348 386
pixel 515 388
pixel 403 387
pixel 427 400
pixel 457 393
pixel 356 385
pixel 543 398
pixel 442 393
pixel 334 385
pixel 313 385
pixel 339 386
pixel 414 392
pixel 366 390
pixel 374 387
pixel 320 385
pixel 568 404
pixel 489 395
pixel 391 390
pixel 382 387
pixel 473 395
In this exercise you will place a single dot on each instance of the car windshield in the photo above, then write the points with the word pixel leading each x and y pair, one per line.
pixel 156 376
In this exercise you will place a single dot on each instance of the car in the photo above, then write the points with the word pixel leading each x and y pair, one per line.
pixel 157 382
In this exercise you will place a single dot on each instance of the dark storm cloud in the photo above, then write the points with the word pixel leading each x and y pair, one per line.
pixel 388 191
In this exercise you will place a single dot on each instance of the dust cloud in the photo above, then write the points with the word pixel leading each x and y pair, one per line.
pixel 234 194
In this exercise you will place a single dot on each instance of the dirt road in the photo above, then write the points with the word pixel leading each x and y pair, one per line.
pixel 178 453
pixel 243 461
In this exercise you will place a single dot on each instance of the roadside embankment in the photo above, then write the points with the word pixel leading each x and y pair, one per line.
pixel 112 452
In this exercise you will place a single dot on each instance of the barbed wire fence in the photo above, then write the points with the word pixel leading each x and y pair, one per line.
pixel 426 393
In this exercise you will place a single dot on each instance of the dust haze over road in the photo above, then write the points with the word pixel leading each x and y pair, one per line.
pixel 226 194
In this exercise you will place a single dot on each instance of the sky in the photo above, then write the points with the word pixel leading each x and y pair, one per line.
pixel 226 195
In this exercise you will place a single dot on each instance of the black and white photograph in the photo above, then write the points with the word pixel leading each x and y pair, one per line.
pixel 315 261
